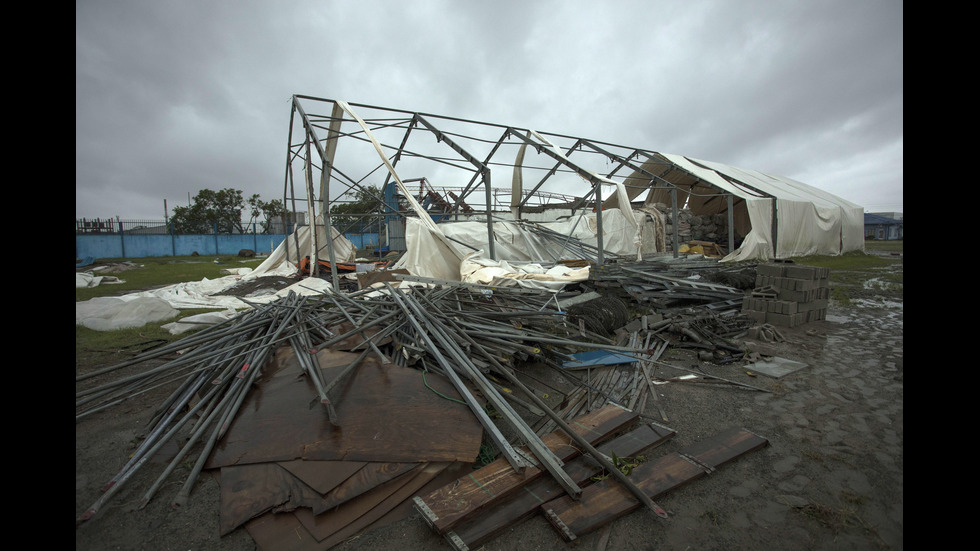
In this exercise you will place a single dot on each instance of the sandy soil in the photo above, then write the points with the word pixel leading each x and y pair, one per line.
pixel 830 478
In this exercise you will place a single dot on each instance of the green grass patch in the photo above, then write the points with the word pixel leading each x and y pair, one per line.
pixel 112 347
pixel 851 261
pixel 896 246
pixel 155 272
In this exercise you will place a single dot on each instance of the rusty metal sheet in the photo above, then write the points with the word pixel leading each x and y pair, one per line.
pixel 386 413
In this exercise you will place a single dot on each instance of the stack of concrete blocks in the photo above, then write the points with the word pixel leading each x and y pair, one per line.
pixel 788 295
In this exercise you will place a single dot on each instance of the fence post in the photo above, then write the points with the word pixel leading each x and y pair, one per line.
pixel 255 239
pixel 215 238
pixel 122 239
pixel 173 239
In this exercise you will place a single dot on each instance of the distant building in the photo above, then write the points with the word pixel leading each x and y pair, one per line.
pixel 884 226
pixel 892 215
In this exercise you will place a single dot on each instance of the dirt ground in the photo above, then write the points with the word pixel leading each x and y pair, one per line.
pixel 830 478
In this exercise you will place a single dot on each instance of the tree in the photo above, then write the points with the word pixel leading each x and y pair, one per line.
pixel 271 211
pixel 222 210
pixel 363 200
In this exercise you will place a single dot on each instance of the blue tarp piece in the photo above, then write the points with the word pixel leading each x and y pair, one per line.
pixel 597 357
pixel 88 260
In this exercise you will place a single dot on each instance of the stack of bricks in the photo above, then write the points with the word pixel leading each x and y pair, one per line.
pixel 788 295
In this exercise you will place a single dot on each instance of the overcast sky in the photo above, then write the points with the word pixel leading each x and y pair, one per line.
pixel 172 97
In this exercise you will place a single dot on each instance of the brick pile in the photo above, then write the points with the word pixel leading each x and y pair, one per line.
pixel 788 295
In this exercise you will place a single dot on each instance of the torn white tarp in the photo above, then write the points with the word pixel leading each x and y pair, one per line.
pixel 118 313
pixel 477 269
pixel 285 259
pixel 198 320
pixel 428 256
pixel 111 313
pixel 89 279
pixel 517 242
pixel 125 311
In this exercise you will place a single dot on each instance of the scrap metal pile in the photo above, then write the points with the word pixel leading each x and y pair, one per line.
pixel 328 414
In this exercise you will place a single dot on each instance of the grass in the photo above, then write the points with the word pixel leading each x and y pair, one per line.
pixel 849 272
pixel 111 347
pixel 161 271
pixel 856 271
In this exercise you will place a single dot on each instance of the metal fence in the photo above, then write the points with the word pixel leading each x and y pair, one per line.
pixel 160 227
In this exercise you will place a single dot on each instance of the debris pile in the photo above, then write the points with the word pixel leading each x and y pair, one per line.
pixel 704 227
pixel 326 415
pixel 788 295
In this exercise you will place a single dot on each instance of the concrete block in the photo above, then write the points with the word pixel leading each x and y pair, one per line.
pixel 797 296
pixel 785 320
pixel 772 270
pixel 800 272
pixel 756 316
pixel 786 307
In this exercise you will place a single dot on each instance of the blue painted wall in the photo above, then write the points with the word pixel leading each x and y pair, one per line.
pixel 152 245
pixel 143 246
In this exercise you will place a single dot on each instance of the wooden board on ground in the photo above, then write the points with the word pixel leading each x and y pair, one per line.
pixel 606 501
pixel 475 531
pixel 248 491
pixel 322 476
pixel 448 506
pixel 287 532
pixel 428 473
pixel 373 474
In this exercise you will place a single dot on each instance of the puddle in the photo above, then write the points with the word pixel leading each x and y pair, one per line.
pixel 877 303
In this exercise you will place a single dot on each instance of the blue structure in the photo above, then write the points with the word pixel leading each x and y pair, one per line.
pixel 135 245
pixel 129 244
pixel 883 228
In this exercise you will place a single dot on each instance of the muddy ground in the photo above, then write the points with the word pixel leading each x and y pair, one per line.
pixel 830 478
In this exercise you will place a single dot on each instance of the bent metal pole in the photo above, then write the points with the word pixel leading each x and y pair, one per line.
pixel 598 456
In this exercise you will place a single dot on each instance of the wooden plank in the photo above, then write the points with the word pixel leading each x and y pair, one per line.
pixel 446 507
pixel 724 447
pixel 520 505
pixel 603 502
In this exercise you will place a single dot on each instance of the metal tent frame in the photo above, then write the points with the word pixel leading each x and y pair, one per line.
pixel 330 144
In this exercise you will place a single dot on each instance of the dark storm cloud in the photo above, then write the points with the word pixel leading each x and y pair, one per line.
pixel 178 96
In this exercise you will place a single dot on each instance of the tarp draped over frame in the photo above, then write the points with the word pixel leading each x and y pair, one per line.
pixel 809 220
pixel 285 259
pixel 430 253
pixel 623 199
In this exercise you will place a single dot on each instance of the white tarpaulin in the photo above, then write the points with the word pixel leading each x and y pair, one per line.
pixel 481 270
pixel 285 259
pixel 809 220
pixel 515 243
pixel 138 309
pixel 520 251
pixel 432 253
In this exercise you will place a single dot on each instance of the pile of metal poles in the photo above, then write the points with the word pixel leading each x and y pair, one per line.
pixel 561 242
pixel 461 331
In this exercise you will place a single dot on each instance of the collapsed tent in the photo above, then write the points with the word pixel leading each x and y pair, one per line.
pixel 629 199
pixel 777 217
pixel 302 243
